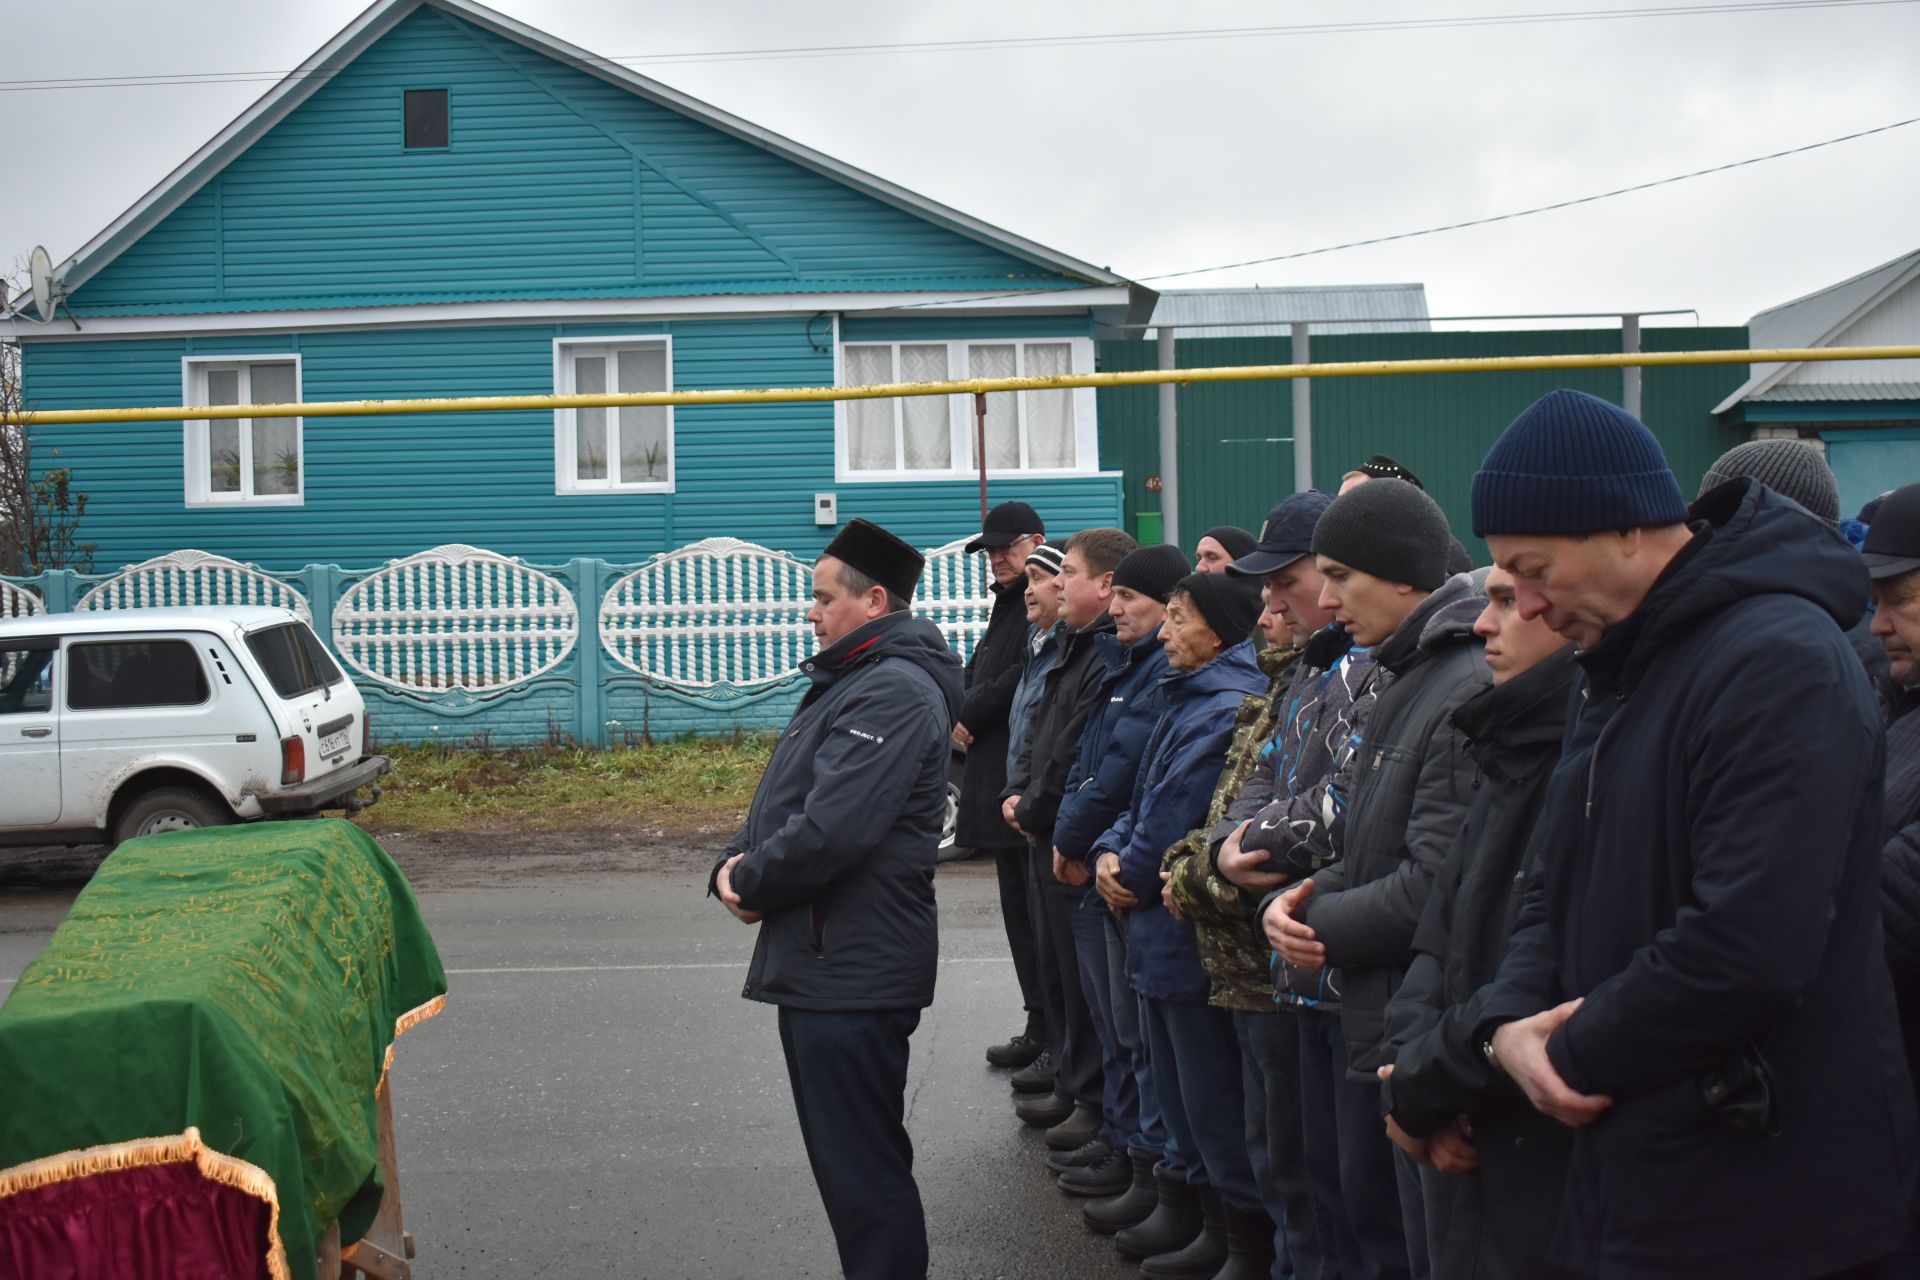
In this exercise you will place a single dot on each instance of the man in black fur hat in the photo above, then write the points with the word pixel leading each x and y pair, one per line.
pixel 836 866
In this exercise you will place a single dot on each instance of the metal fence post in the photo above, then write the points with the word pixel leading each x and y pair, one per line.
pixel 58 590
pixel 322 583
pixel 589 667
pixel 1169 441
pixel 1630 374
pixel 1302 412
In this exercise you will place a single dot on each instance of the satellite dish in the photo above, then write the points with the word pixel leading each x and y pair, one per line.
pixel 40 274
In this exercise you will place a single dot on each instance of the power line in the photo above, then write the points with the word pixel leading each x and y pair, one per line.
pixel 988 44
pixel 1452 226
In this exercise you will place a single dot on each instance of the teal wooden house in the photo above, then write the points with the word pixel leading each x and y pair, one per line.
pixel 446 202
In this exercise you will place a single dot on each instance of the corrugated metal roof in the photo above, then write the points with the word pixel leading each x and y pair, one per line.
pixel 1358 308
pixel 1789 392
pixel 1815 321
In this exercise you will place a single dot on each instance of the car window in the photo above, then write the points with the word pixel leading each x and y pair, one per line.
pixel 294 659
pixel 119 674
pixel 26 677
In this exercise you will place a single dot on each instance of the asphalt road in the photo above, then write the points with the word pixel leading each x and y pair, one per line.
pixel 597 1100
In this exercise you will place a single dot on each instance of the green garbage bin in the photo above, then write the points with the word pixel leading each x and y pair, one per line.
pixel 1149 528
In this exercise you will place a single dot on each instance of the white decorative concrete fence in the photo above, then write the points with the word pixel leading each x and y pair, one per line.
pixel 455 617
pixel 16 602
pixel 459 642
pixel 188 578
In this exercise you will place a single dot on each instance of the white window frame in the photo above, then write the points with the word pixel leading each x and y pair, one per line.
pixel 566 470
pixel 960 416
pixel 196 447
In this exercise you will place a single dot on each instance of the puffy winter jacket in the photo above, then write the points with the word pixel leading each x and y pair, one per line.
pixel 1711 891
pixel 1100 784
pixel 839 846
pixel 1039 776
pixel 1900 869
pixel 993 673
pixel 1412 778
pixel 1233 947
pixel 1502 1214
pixel 1176 778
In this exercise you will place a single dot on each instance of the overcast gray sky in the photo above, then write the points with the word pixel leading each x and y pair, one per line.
pixel 1161 156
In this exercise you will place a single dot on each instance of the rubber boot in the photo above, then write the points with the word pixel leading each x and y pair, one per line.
pixel 1207 1252
pixel 1249 1245
pixel 1173 1224
pixel 1116 1213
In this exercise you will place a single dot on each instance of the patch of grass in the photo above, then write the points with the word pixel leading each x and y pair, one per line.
pixel 689 785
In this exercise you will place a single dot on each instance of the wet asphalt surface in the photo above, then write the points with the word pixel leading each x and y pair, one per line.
pixel 597 1099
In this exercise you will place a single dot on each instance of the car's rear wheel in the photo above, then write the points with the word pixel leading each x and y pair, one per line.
pixel 950 825
pixel 170 809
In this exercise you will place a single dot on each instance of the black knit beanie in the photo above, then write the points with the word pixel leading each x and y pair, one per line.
pixel 1570 464
pixel 1049 556
pixel 1230 604
pixel 1152 571
pixel 1236 540
pixel 1390 529
pixel 1788 467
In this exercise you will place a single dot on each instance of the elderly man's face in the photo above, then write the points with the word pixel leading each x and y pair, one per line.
pixel 1009 563
pixel 1896 620
pixel 1579 586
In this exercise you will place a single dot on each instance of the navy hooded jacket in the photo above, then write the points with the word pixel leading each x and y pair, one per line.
pixel 839 846
pixel 1175 784
pixel 1100 784
pixel 1710 889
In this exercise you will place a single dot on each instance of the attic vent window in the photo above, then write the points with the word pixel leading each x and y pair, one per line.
pixel 426 124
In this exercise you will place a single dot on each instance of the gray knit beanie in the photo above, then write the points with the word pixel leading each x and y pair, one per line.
pixel 1789 467
pixel 1390 529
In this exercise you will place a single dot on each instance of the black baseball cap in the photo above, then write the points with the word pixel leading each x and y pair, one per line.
pixel 1285 537
pixel 1005 525
pixel 1893 539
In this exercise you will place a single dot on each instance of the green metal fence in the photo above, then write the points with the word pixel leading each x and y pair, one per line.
pixel 1236 452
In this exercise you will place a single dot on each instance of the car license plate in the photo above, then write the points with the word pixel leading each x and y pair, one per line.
pixel 335 744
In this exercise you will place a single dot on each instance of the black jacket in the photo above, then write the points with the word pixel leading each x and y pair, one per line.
pixel 840 842
pixel 1412 778
pixel 1900 868
pixel 1711 890
pixel 1039 776
pixel 993 673
pixel 1503 1215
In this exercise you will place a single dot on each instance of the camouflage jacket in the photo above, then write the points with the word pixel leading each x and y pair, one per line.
pixel 1232 947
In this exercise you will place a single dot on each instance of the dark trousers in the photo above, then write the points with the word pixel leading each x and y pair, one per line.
pixel 849 1077
pixel 1119 1092
pixel 1276 1144
pixel 1016 912
pixel 1070 1035
pixel 1128 1011
pixel 1196 1075
pixel 1413 1213
pixel 1349 1158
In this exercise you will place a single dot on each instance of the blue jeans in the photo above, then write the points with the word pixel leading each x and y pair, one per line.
pixel 849 1076
pixel 1349 1158
pixel 1270 1079
pixel 1196 1069
pixel 1129 1030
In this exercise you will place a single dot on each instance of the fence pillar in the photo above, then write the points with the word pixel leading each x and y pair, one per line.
pixel 58 590
pixel 590 707
pixel 1169 441
pixel 322 583
pixel 1630 375
pixel 1302 412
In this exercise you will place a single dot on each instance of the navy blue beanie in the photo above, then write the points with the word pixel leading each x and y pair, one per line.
pixel 1570 464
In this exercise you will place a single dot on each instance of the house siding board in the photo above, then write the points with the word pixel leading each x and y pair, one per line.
pixel 1439 425
pixel 385 486
pixel 555 182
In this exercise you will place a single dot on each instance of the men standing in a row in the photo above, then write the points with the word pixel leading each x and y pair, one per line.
pixel 1070 1108
pixel 835 864
pixel 1008 534
pixel 1383 548
pixel 1493 1166
pixel 1698 984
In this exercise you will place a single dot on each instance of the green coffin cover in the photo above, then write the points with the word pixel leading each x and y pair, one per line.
pixel 228 996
